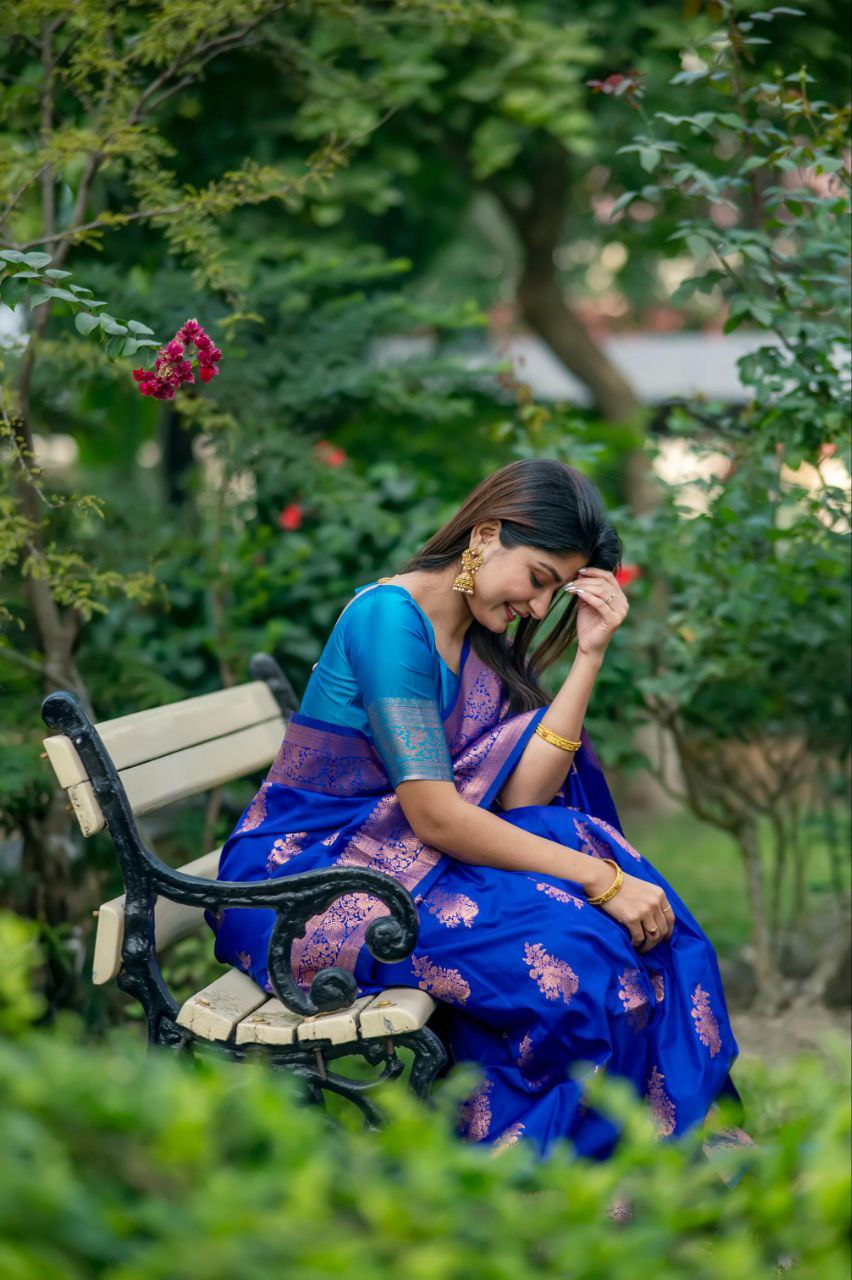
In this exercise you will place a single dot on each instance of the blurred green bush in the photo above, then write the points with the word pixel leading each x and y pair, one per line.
pixel 133 1166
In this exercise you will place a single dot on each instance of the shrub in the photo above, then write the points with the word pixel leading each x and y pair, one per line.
pixel 133 1166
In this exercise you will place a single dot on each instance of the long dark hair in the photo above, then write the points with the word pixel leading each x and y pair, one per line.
pixel 540 503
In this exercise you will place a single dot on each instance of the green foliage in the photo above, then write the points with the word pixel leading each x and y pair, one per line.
pixel 766 216
pixel 120 1163
pixel 20 1004
pixel 739 647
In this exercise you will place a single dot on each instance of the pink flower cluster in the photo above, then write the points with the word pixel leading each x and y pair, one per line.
pixel 172 370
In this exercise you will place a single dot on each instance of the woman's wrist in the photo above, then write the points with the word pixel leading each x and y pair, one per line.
pixel 588 661
pixel 592 874
pixel 600 877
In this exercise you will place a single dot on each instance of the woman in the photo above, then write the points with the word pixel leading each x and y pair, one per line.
pixel 425 747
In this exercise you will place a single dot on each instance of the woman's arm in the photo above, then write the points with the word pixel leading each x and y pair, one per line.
pixel 439 817
pixel 543 768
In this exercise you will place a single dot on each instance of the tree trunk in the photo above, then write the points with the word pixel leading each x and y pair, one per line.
pixel 764 963
pixel 542 304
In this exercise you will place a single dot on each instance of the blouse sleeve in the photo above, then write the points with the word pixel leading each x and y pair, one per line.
pixel 392 657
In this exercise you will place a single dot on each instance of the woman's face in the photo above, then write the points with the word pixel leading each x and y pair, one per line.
pixel 522 579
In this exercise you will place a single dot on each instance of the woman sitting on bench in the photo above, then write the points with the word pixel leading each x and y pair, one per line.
pixel 425 748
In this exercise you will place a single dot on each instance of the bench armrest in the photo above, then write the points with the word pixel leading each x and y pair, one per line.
pixel 296 898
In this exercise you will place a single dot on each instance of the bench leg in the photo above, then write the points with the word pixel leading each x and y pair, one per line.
pixel 429 1057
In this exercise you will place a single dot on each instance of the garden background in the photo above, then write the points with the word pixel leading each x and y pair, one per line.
pixel 392 218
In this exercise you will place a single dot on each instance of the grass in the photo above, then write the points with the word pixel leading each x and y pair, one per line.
pixel 705 867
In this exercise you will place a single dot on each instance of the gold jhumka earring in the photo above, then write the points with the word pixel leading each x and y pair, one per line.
pixel 472 560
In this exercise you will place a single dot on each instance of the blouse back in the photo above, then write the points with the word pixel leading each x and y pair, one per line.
pixel 380 674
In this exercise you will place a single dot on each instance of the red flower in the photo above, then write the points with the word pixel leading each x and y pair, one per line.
pixel 290 517
pixel 189 331
pixel 628 573
pixel 328 453
pixel 627 86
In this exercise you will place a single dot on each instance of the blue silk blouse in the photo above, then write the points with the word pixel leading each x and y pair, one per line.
pixel 381 674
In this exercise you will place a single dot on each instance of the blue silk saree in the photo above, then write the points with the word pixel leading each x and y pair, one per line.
pixel 539 986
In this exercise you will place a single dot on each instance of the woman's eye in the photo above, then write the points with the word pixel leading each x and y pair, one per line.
pixel 535 581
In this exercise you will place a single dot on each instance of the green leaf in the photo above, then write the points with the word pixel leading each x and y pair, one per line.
pixel 85 323
pixel 64 295
pixel 114 347
pixel 11 255
pixel 56 274
pixel 110 325
pixel 135 326
pixel 622 202
pixel 37 259
pixel 129 347
pixel 649 158
pixel 12 291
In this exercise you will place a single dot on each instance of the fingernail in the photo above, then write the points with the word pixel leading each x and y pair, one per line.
pixel 582 571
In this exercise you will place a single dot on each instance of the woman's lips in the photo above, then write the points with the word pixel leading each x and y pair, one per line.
pixel 508 611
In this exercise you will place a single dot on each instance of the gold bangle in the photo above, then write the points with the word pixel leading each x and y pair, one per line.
pixel 613 888
pixel 549 736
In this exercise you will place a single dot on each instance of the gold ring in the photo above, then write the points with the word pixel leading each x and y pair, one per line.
pixel 667 907
pixel 609 597
pixel 654 930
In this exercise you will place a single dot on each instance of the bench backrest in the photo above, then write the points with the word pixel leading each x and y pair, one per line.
pixel 163 755
pixel 171 752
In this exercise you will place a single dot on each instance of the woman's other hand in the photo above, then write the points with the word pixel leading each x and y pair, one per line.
pixel 644 909
pixel 602 609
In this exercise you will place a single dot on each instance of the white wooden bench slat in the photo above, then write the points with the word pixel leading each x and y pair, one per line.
pixel 339 1027
pixel 173 777
pixel 272 1023
pixel 395 1011
pixel 87 811
pixel 214 1012
pixel 172 921
pixel 146 735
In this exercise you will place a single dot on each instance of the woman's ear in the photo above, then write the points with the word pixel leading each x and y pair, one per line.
pixel 486 531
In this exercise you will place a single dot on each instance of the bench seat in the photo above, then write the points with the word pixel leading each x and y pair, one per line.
pixel 234 1005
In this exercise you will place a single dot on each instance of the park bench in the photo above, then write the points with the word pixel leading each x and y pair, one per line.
pixel 117 770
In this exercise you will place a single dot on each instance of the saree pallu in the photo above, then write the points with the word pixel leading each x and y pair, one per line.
pixel 539 986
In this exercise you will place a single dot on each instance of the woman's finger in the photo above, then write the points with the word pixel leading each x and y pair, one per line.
pixel 637 935
pixel 669 917
pixel 655 927
pixel 649 940
pixel 594 572
pixel 596 601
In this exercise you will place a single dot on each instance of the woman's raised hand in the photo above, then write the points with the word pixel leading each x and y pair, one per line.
pixel 602 608
pixel 644 909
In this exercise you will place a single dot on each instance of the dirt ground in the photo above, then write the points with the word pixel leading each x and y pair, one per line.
pixel 798 1029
